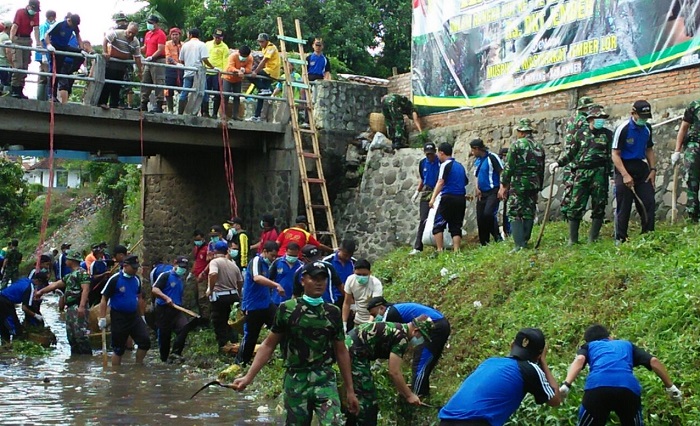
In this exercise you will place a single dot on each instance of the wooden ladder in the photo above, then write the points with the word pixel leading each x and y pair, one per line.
pixel 306 141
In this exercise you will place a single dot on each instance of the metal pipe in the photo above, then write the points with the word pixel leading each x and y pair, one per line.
pixel 48 74
pixel 57 52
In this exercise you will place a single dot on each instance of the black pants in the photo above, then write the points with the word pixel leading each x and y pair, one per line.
pixel 598 403
pixel 169 320
pixel 424 210
pixel 125 324
pixel 68 68
pixel 233 88
pixel 261 84
pixel 9 323
pixel 220 311
pixel 624 196
pixel 426 357
pixel 110 91
pixel 254 321
pixel 487 216
pixel 451 209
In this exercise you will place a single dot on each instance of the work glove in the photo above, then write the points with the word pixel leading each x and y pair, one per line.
pixel 415 196
pixel 50 48
pixel 102 323
pixel 564 390
pixel 674 393
pixel 148 58
pixel 675 157
pixel 553 167
pixel 38 317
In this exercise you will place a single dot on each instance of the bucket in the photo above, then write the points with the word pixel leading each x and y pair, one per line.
pixel 376 122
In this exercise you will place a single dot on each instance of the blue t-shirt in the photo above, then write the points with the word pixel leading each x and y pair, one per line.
pixel 61 34
pixel 407 312
pixel 282 273
pixel 455 177
pixel 20 291
pixel 123 293
pixel 255 296
pixel 317 64
pixel 487 171
pixel 342 270
pixel 171 285
pixel 611 363
pixel 429 172
pixel 332 293
pixel 98 267
pixel 61 268
pixel 159 269
pixel 633 140
pixel 494 391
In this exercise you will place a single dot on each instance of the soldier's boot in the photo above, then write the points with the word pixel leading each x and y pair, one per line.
pixel 528 224
pixel 595 230
pixel 181 107
pixel 517 230
pixel 573 231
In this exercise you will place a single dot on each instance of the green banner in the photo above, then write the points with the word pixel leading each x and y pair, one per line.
pixel 473 53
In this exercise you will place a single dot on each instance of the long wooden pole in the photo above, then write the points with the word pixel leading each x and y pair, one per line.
pixel 104 348
pixel 674 193
pixel 185 310
pixel 546 211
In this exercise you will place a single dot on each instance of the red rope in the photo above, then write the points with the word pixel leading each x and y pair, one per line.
pixel 47 204
pixel 228 154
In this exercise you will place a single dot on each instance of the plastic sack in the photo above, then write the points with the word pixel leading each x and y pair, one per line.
pixel 427 237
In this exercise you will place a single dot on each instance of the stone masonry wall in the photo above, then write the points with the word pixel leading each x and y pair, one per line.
pixel 381 216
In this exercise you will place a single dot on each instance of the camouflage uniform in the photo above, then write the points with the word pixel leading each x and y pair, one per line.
pixel 11 271
pixel 524 172
pixel 310 382
pixel 691 159
pixel 366 343
pixel 573 125
pixel 77 329
pixel 394 107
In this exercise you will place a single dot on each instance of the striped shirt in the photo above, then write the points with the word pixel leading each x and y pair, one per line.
pixel 127 49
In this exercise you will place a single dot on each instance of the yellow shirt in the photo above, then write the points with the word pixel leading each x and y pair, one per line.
pixel 218 54
pixel 272 66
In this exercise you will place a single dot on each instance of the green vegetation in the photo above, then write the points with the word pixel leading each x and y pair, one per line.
pixel 13 193
pixel 29 349
pixel 645 291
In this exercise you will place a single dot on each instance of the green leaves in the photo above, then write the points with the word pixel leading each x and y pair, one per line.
pixel 13 194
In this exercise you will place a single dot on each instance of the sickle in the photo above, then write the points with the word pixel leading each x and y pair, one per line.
pixel 643 212
pixel 213 382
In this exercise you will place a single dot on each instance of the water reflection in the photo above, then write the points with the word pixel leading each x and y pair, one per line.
pixel 61 389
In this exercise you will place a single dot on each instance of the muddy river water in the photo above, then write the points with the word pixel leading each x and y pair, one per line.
pixel 61 389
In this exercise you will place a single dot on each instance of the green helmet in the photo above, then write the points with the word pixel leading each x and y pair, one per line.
pixel 525 125
pixel 584 102
pixel 74 255
pixel 596 111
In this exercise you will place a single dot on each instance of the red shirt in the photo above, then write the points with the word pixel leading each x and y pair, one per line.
pixel 265 236
pixel 200 259
pixel 152 40
pixel 297 235
pixel 25 23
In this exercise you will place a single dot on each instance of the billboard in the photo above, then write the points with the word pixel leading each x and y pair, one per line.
pixel 473 53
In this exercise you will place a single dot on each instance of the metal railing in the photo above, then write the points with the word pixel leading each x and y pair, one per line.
pixel 93 91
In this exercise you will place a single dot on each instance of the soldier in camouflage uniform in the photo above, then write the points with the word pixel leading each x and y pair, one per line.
pixel 10 266
pixel 589 155
pixel 382 340
pixel 689 136
pixel 521 181
pixel 77 290
pixel 394 107
pixel 312 332
pixel 572 126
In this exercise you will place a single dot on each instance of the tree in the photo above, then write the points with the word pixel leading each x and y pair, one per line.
pixel 13 194
pixel 394 29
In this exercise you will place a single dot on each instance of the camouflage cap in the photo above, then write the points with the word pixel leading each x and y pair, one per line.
pixel 584 102
pixel 119 17
pixel 596 111
pixel 425 325
pixel 525 125
pixel 74 255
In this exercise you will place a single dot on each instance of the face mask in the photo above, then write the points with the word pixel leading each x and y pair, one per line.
pixel 199 243
pixel 641 121
pixel 31 12
pixel 44 270
pixel 180 271
pixel 379 318
pixel 291 259
pixel 233 253
pixel 266 260
pixel 233 231
pixel 215 239
pixel 242 58
pixel 127 275
pixel 598 123
pixel 362 279
pixel 150 26
pixel 417 341
pixel 313 301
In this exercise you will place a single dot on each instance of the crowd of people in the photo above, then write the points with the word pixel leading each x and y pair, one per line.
pixel 157 56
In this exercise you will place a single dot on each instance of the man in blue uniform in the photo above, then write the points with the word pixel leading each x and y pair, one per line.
pixel 282 272
pixel 61 268
pixel 21 291
pixel 123 293
pixel 452 189
pixel 492 393
pixel 257 300
pixel 611 385
pixel 635 170
pixel 344 265
pixel 168 290
pixel 428 170
pixel 427 355
pixel 99 274
pixel 45 268
pixel 58 38
pixel 334 293
pixel 488 171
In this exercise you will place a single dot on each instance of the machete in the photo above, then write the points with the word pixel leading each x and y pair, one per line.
pixel 212 383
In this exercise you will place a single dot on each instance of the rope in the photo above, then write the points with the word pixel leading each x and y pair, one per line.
pixel 47 204
pixel 228 154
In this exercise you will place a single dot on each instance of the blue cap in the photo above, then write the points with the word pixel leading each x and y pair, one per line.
pixel 221 246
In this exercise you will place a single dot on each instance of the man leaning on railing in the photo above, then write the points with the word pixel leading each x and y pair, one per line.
pixel 119 44
pixel 58 38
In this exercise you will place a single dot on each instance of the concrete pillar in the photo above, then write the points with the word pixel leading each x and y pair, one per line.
pixel 194 99
pixel 94 88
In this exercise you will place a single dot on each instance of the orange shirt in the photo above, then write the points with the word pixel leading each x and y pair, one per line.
pixel 172 52
pixel 235 64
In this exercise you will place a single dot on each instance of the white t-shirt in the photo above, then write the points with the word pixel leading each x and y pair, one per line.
pixel 362 294
pixel 192 53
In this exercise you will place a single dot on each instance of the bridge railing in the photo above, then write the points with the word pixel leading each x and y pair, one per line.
pixel 96 80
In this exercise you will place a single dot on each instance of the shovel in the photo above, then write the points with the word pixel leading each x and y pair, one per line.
pixel 212 383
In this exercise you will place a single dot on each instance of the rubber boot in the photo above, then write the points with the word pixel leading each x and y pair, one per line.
pixel 171 104
pixel 595 230
pixel 528 224
pixel 573 231
pixel 181 107
pixel 16 92
pixel 517 230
